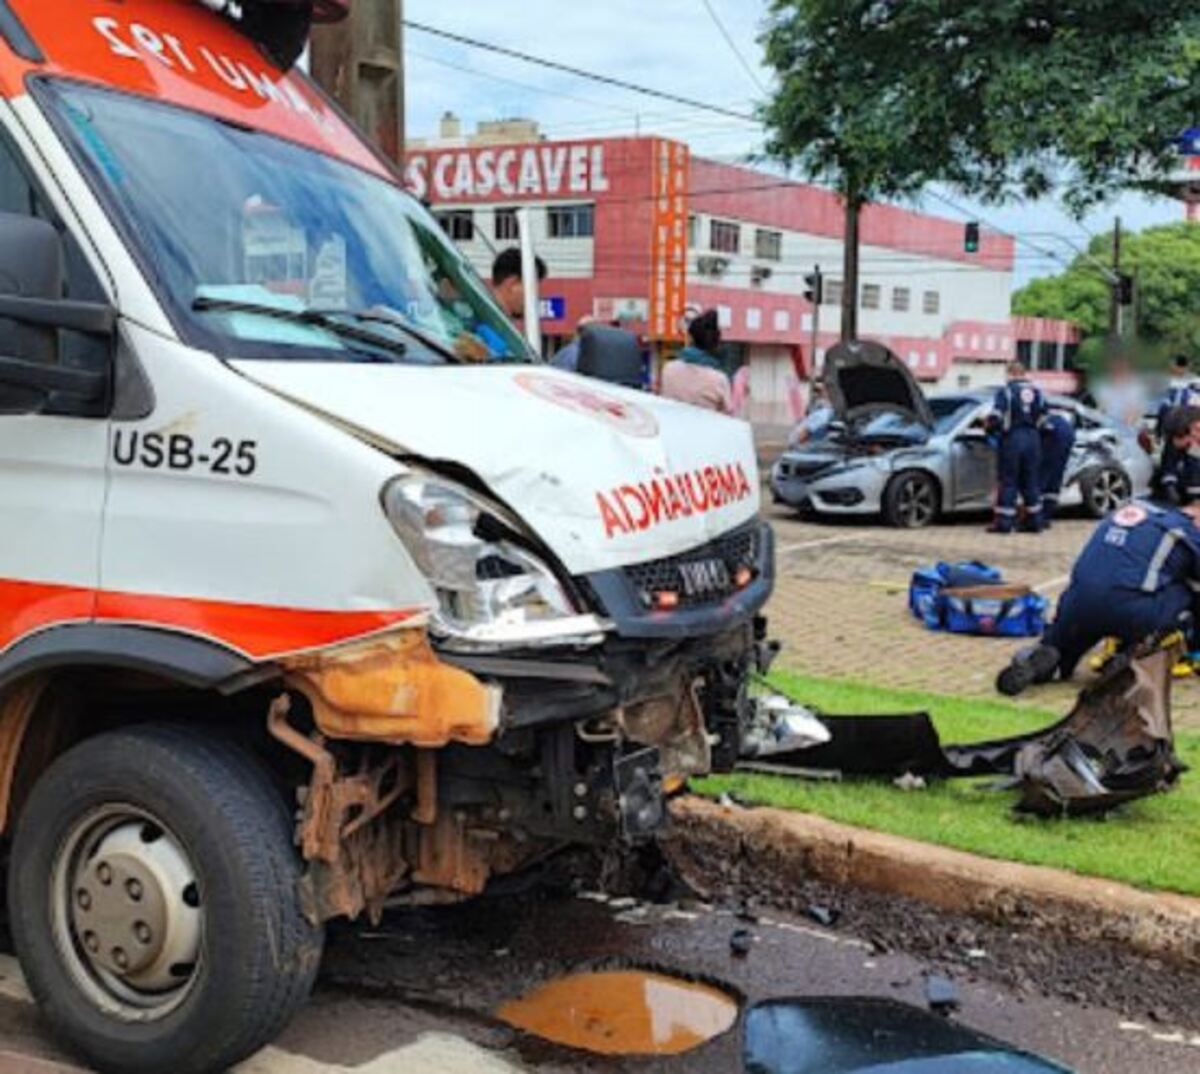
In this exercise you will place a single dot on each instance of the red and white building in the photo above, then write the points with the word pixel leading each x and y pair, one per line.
pixel 634 229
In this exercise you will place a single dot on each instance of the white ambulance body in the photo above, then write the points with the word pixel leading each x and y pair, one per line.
pixel 299 611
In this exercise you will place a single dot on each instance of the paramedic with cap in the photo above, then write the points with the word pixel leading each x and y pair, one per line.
pixel 1058 441
pixel 1183 393
pixel 1135 578
pixel 1017 416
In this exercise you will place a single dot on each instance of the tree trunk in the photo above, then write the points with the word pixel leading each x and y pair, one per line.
pixel 850 267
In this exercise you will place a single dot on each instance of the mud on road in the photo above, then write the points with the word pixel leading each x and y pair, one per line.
pixel 1096 1009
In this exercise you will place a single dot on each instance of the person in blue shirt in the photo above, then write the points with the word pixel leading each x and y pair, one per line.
pixel 1058 441
pixel 1017 417
pixel 508 289
pixel 1136 577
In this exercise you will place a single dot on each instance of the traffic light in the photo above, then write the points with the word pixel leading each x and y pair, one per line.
pixel 814 287
pixel 1124 286
pixel 971 239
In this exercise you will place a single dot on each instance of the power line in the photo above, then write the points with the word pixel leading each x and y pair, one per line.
pixel 971 214
pixel 733 47
pixel 578 72
pixel 514 82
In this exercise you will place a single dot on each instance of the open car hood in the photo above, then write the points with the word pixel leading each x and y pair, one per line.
pixel 864 378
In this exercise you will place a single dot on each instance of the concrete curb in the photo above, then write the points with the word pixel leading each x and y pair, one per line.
pixel 789 847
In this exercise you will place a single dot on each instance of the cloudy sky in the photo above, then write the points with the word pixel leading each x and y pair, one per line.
pixel 672 45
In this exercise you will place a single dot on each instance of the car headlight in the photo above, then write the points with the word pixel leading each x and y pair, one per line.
pixel 468 548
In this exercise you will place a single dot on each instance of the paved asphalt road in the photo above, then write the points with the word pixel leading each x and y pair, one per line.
pixel 415 996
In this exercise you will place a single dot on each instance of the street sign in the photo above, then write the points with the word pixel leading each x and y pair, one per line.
pixel 1189 142
pixel 553 308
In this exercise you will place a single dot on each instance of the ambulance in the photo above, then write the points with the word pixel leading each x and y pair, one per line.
pixel 318 593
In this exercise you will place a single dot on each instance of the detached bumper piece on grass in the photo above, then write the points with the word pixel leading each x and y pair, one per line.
pixel 1117 745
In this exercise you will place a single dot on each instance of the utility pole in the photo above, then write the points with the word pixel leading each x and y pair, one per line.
pixel 361 63
pixel 850 268
pixel 1116 314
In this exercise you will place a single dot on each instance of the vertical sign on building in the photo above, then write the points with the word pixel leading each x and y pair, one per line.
pixel 669 243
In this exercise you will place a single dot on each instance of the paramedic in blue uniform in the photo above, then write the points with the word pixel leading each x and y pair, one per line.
pixel 1183 393
pixel 1177 478
pixel 1058 441
pixel 1136 577
pixel 1016 418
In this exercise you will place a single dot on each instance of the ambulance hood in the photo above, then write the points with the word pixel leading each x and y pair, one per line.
pixel 605 476
pixel 864 379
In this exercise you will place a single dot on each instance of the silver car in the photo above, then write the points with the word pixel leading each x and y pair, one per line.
pixel 888 450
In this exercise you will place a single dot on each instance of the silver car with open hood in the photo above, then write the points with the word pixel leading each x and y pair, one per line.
pixel 893 452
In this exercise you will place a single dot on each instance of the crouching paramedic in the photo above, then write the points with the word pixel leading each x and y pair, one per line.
pixel 1058 441
pixel 1017 417
pixel 1136 577
pixel 1177 479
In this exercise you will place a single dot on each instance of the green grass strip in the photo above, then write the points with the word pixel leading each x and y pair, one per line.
pixel 1153 844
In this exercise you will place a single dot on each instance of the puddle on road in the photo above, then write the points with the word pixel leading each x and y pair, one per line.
pixel 624 1012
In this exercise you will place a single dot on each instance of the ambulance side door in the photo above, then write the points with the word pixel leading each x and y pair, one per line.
pixel 52 468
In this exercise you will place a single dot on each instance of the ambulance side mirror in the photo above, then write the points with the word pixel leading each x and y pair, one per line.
pixel 33 312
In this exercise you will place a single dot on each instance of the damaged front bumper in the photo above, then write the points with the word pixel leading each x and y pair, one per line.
pixel 435 769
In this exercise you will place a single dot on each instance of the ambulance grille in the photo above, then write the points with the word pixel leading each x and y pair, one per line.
pixel 703 576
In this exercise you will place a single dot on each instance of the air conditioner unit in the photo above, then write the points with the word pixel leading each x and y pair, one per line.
pixel 712 266
pixel 759 275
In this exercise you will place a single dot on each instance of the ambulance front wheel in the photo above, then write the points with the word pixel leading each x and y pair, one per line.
pixel 911 500
pixel 153 895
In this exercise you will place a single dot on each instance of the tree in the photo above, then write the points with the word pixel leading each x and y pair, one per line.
pixel 998 98
pixel 1165 262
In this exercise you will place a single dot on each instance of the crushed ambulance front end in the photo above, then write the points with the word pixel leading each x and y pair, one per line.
pixel 599 570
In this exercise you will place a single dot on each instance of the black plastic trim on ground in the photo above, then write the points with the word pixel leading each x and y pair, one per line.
pixel 12 29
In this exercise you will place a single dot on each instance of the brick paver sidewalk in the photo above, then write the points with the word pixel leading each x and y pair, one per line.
pixel 840 606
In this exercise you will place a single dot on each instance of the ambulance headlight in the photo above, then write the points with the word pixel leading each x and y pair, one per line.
pixel 476 556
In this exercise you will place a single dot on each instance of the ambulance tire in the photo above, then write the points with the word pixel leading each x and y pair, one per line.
pixel 912 500
pixel 1104 490
pixel 160 806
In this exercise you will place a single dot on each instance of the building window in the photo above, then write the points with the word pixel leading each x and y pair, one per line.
pixel 571 221
pixel 458 224
pixel 901 299
pixel 508 226
pixel 872 294
pixel 693 230
pixel 725 238
pixel 933 303
pixel 768 245
pixel 833 292
pixel 1025 353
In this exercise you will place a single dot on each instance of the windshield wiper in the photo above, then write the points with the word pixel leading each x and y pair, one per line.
pixel 309 318
pixel 388 316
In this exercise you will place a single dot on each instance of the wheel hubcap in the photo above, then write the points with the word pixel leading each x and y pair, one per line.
pixel 127 912
pixel 916 502
pixel 1110 491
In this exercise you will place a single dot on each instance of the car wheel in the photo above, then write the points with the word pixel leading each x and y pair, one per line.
pixel 911 501
pixel 155 903
pixel 1105 490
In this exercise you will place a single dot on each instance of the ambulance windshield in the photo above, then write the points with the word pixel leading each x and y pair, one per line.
pixel 261 248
